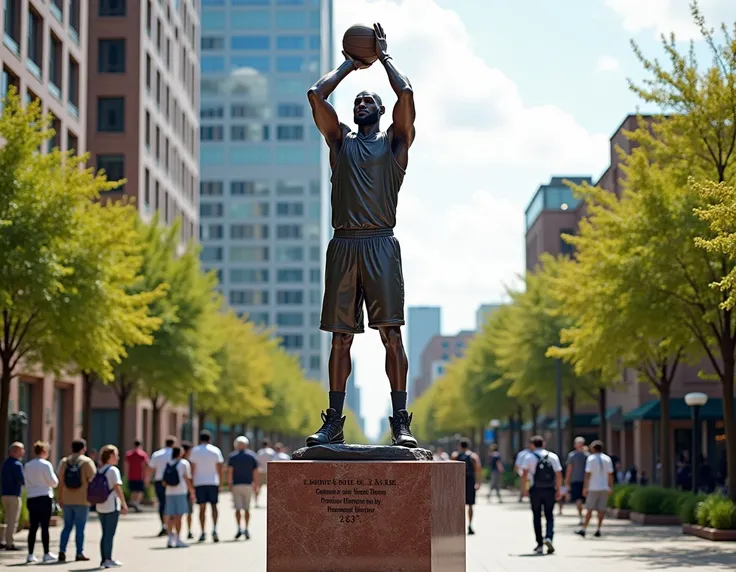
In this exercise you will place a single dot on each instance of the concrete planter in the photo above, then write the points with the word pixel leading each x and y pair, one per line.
pixel 655 519
pixel 709 533
pixel 618 513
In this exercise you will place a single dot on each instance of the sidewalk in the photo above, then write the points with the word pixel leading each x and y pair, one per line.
pixel 503 542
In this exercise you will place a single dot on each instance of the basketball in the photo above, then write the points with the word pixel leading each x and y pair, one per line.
pixel 359 42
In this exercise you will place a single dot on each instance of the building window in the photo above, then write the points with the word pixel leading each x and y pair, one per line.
pixel 212 112
pixel 290 132
pixel 248 231
pixel 290 275
pixel 289 209
pixel 248 111
pixel 289 254
pixel 211 133
pixel 147 188
pixel 249 188
pixel 149 14
pixel 290 63
pixel 293 341
pixel 114 167
pixel 248 275
pixel 210 188
pixel 291 20
pixel 249 297
pixel 74 19
pixel 12 25
pixel 212 43
pixel 248 20
pixel 248 253
pixel 250 43
pixel 289 231
pixel 213 64
pixel 111 54
pixel 211 210
pixel 289 319
pixel 566 248
pixel 210 232
pixel 55 55
pixel 72 141
pixel 211 254
pixel 290 43
pixel 290 110
pixel 259 63
pixel 111 114
pixel 35 43
pixel 112 7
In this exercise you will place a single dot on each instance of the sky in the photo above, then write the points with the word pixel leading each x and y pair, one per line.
pixel 507 94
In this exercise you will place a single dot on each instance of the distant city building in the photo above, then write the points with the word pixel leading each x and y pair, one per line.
pixel 352 396
pixel 482 314
pixel 263 183
pixel 423 323
pixel 437 355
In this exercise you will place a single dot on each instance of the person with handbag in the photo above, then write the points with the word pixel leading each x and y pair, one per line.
pixel 106 491
pixel 40 484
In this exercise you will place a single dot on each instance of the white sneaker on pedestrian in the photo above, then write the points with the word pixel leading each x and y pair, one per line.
pixel 48 557
pixel 111 564
pixel 181 544
pixel 31 559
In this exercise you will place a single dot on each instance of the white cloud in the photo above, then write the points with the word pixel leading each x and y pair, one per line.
pixel 480 154
pixel 665 16
pixel 607 63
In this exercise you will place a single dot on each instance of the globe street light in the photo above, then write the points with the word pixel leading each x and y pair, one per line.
pixel 695 401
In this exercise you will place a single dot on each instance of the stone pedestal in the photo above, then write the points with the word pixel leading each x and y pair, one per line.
pixel 366 516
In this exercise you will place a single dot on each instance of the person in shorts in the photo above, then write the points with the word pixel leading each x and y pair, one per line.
pixel 179 494
pixel 136 463
pixel 157 465
pixel 598 485
pixel 575 475
pixel 207 462
pixel 243 481
pixel 496 470
pixel 186 449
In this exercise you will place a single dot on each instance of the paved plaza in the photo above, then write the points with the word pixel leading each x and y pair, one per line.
pixel 503 543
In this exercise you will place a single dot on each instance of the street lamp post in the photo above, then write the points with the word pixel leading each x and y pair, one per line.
pixel 695 401
pixel 558 391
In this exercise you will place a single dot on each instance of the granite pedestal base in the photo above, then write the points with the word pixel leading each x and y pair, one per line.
pixel 366 516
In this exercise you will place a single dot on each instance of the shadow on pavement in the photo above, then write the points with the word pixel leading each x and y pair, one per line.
pixel 677 557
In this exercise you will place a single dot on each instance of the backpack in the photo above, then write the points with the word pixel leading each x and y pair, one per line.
pixel 73 475
pixel 99 488
pixel 544 476
pixel 171 475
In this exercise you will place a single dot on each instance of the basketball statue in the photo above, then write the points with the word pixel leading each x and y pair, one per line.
pixel 363 258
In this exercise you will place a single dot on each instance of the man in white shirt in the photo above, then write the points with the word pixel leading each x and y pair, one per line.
pixel 207 462
pixel 518 469
pixel 157 465
pixel 543 470
pixel 598 485
pixel 265 455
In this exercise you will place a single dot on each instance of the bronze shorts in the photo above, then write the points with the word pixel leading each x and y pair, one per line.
pixel 362 266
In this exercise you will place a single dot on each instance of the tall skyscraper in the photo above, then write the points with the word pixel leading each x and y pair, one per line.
pixel 263 182
pixel 424 322
pixel 352 396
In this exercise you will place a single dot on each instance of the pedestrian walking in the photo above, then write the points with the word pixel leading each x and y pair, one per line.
pixel 75 472
pixel 207 462
pixel 157 466
pixel 12 481
pixel 179 493
pixel 440 455
pixel 598 485
pixel 242 479
pixel 543 471
pixel 108 485
pixel 265 455
pixel 519 470
pixel 40 484
pixel 186 447
pixel 136 463
pixel 496 470
pixel 575 476
pixel 281 454
pixel 472 476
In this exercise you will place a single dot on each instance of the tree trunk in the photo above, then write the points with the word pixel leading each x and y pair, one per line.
pixel 520 431
pixel 571 422
pixel 123 391
pixel 88 383
pixel 5 377
pixel 218 431
pixel 602 410
pixel 729 423
pixel 201 418
pixel 156 406
pixel 665 445
pixel 534 409
pixel 510 444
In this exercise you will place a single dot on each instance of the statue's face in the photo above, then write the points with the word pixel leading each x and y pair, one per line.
pixel 367 108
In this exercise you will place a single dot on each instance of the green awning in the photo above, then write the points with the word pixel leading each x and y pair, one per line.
pixel 580 420
pixel 611 413
pixel 542 423
pixel 679 410
pixel 505 426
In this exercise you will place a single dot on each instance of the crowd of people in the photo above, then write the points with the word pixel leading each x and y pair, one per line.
pixel 183 475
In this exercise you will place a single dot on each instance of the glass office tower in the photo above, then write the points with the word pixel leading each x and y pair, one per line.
pixel 263 163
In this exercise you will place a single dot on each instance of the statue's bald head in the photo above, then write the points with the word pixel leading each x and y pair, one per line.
pixel 367 108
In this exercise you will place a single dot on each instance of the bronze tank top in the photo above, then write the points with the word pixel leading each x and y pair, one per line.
pixel 365 183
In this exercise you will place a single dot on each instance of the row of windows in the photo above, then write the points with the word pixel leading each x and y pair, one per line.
pixel 251 133
pixel 259 188
pixel 283 275
pixel 263 88
pixel 215 155
pixel 256 231
pixel 290 42
pixel 261 297
pixel 261 2
pixel 260 253
pixel 157 197
pixel 214 111
pixel 245 210
pixel 263 64
pixel 166 153
pixel 261 20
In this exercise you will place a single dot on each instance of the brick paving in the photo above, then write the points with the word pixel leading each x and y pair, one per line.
pixel 503 543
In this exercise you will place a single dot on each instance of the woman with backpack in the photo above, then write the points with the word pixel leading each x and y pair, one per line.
pixel 40 484
pixel 177 480
pixel 106 491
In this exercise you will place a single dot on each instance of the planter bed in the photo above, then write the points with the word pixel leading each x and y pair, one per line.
pixel 618 513
pixel 655 519
pixel 708 533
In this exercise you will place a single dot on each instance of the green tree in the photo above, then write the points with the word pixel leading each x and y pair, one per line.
pixel 61 293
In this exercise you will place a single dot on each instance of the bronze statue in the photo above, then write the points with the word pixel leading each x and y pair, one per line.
pixel 363 257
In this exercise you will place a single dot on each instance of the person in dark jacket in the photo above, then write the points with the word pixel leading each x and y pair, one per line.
pixel 13 480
